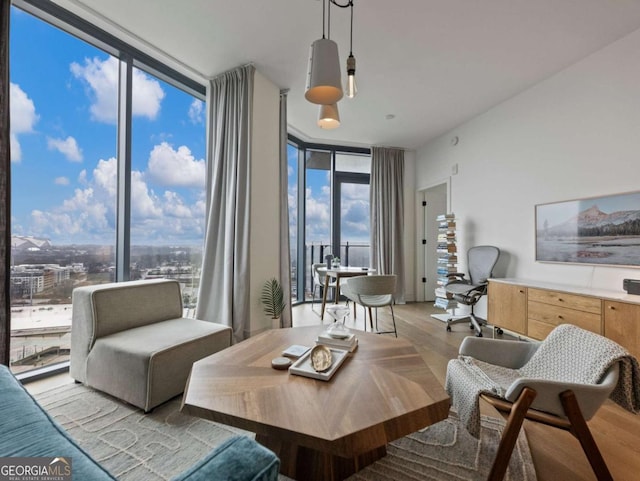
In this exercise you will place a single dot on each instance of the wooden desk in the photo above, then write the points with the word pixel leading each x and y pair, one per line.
pixel 320 430
pixel 337 273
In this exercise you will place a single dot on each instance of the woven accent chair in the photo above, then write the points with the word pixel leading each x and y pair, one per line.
pixel 372 292
pixel 561 382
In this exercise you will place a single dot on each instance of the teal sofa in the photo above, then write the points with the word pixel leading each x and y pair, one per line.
pixel 26 430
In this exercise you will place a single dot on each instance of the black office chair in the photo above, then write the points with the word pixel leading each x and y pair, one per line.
pixel 480 260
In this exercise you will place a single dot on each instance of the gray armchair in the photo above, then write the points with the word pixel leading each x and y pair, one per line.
pixel 372 292
pixel 562 382
pixel 319 279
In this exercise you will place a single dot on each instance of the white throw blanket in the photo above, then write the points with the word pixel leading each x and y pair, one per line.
pixel 569 354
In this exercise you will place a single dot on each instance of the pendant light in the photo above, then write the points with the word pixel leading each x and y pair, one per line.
pixel 329 117
pixel 324 86
pixel 351 63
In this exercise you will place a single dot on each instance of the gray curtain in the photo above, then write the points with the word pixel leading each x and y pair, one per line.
pixel 224 282
pixel 5 188
pixel 285 253
pixel 387 214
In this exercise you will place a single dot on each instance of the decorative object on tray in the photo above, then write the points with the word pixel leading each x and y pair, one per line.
pixel 321 358
pixel 348 343
pixel 338 330
pixel 304 367
pixel 295 351
pixel 281 363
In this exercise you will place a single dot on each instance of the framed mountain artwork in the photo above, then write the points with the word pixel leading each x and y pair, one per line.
pixel 597 230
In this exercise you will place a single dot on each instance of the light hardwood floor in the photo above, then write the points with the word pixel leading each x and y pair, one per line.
pixel 556 454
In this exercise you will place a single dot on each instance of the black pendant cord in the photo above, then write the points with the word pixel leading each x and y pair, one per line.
pixel 329 22
pixel 348 4
pixel 351 32
pixel 323 17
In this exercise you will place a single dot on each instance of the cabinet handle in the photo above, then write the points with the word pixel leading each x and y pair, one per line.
pixel 612 308
pixel 560 299
pixel 521 291
pixel 560 317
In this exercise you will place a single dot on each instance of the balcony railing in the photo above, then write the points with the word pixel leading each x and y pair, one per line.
pixel 351 254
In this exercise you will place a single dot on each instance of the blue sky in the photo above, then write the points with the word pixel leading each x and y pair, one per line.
pixel 63 107
pixel 63 119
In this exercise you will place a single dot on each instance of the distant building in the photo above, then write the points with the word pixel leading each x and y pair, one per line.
pixel 29 279
pixel 29 243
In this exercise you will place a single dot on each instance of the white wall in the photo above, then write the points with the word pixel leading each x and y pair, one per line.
pixel 265 179
pixel 575 135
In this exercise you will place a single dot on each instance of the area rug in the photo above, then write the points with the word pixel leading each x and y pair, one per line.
pixel 446 451
pixel 158 446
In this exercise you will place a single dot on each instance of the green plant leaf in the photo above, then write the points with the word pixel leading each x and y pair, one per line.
pixel 273 298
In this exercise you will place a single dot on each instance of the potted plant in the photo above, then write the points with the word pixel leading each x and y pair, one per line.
pixel 273 300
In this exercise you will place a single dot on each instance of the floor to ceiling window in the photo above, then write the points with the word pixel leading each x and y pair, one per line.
pixel 328 208
pixel 167 185
pixel 68 148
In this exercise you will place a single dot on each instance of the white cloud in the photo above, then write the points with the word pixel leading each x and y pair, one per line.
pixel 147 95
pixel 144 202
pixel 83 216
pixel 176 167
pixel 104 176
pixel 89 214
pixel 317 217
pixel 175 206
pixel 16 150
pixel 61 181
pixel 23 118
pixel 196 111
pixel 86 216
pixel 102 79
pixel 68 147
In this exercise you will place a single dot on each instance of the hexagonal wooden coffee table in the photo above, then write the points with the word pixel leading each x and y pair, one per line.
pixel 321 430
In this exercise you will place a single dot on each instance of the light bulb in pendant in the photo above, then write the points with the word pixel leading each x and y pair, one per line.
pixel 351 89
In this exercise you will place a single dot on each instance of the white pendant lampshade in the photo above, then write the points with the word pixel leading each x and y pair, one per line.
pixel 329 117
pixel 323 79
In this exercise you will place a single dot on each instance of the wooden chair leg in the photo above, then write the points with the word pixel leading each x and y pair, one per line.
pixel 393 318
pixel 510 434
pixel 580 430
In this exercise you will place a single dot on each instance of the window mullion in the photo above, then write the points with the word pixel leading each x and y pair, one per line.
pixel 123 207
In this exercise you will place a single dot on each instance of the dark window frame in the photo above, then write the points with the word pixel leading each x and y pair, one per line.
pixel 129 58
pixel 336 177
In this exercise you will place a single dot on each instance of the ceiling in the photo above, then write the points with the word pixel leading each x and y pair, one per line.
pixel 432 64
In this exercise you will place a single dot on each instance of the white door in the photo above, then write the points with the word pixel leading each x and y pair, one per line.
pixel 433 203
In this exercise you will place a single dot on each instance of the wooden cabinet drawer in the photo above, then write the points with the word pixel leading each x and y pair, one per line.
pixel 562 299
pixel 507 307
pixel 538 330
pixel 554 316
pixel 622 324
